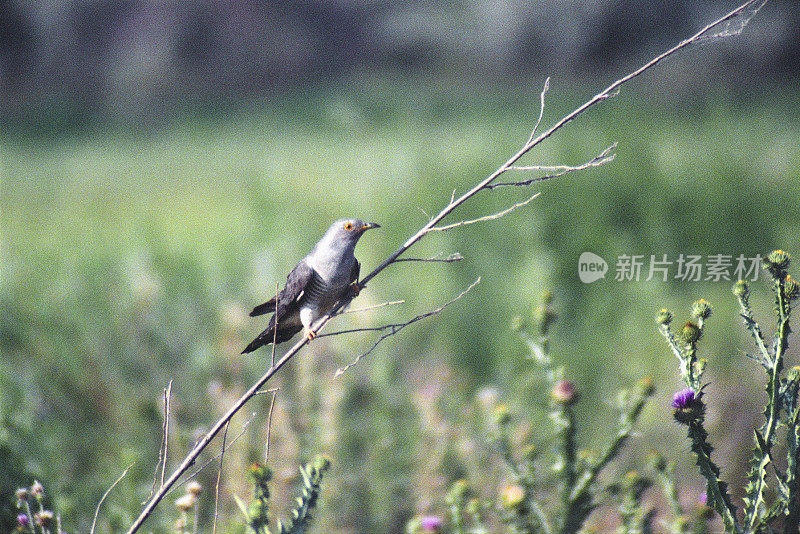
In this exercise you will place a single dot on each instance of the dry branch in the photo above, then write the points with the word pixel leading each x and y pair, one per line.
pixel 740 16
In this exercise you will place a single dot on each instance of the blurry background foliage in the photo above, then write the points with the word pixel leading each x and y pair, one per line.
pixel 165 164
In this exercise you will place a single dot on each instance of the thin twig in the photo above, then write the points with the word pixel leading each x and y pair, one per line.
pixel 258 384
pixel 560 170
pixel 486 217
pixel 103 498
pixel 275 329
pixel 373 307
pixel 219 477
pixel 162 451
pixel 391 329
pixel 167 402
pixel 541 107
pixel 269 425
pixel 197 471
pixel 451 258
pixel 401 325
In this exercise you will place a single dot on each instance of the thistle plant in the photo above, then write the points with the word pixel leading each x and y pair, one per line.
pixel 34 517
pixel 257 513
pixel 526 504
pixel 686 520
pixel 763 510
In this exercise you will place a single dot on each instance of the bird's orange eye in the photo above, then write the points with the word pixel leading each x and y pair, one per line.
pixel 348 226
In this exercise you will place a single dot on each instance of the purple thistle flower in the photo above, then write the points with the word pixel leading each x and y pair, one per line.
pixel 688 406
pixel 23 521
pixel 683 399
pixel 430 523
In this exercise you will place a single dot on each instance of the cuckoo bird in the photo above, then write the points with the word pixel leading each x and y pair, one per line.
pixel 315 285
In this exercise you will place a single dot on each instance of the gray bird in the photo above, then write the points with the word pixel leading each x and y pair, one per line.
pixel 315 285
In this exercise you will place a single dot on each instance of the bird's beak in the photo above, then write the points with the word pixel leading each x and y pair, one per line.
pixel 367 226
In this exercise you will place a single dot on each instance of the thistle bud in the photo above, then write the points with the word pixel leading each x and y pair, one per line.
pixel 321 462
pixel 194 488
pixel 458 493
pixel 777 263
pixel 701 309
pixel 794 374
pixel 791 287
pixel 564 392
pixel 658 463
pixel 646 387
pixel 741 289
pixel 544 315
pixel 690 332
pixel 260 473
pixel 663 317
pixel 185 502
pixel 501 415
pixel 258 512
pixel 512 496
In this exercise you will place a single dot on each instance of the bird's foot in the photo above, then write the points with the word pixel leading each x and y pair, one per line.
pixel 353 291
pixel 310 334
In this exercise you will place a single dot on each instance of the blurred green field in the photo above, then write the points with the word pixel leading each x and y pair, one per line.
pixel 129 257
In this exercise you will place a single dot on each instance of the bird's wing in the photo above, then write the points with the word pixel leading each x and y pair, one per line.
pixel 296 284
pixel 355 272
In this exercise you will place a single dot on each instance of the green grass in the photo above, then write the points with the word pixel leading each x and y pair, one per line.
pixel 121 251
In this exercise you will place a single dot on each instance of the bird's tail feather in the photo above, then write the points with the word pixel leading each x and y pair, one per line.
pixel 269 335
pixel 261 309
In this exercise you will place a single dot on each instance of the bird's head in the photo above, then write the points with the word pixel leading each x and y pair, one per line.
pixel 344 233
pixel 353 227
